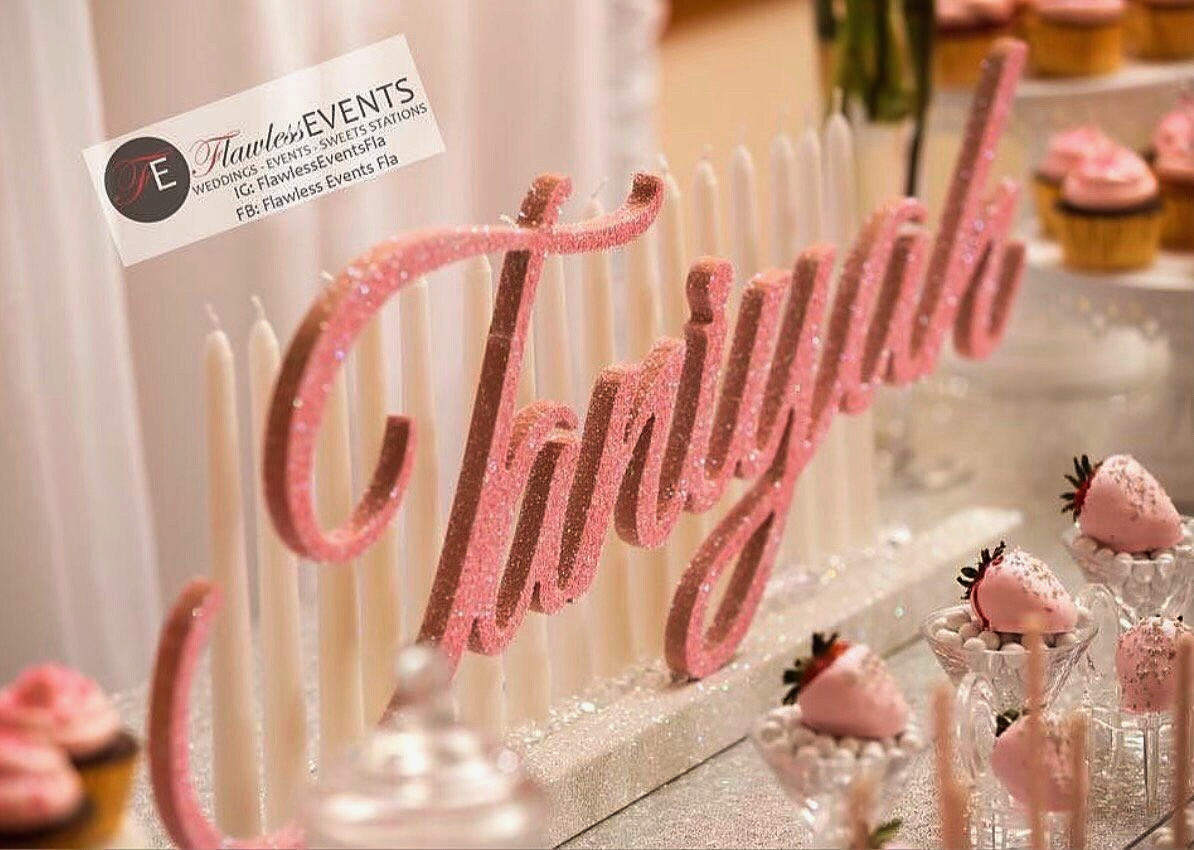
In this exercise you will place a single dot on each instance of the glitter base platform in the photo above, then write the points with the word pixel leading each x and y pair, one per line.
pixel 628 736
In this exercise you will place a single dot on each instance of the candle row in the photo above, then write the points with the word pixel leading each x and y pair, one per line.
pixel 367 609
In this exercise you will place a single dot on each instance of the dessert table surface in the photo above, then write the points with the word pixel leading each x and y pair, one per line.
pixel 731 799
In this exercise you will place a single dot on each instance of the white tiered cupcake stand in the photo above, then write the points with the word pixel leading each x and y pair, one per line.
pixel 1126 336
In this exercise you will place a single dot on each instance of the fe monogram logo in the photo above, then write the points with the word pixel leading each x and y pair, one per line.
pixel 147 179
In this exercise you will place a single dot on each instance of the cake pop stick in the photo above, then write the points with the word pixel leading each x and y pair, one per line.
pixel 1036 732
pixel 858 813
pixel 1181 739
pixel 1080 787
pixel 951 796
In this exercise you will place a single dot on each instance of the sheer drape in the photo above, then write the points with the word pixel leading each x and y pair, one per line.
pixel 76 537
pixel 100 383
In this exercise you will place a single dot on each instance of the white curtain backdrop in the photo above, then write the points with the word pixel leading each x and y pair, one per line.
pixel 102 483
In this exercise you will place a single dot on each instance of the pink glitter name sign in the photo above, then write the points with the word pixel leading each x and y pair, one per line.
pixel 535 497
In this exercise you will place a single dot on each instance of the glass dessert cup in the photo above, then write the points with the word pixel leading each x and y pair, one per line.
pixel 997 819
pixel 1005 669
pixel 817 772
pixel 1143 584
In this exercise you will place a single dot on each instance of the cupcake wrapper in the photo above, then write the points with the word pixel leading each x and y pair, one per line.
pixel 1046 194
pixel 107 783
pixel 1177 218
pixel 958 55
pixel 70 832
pixel 1109 241
pixel 1161 30
pixel 1070 50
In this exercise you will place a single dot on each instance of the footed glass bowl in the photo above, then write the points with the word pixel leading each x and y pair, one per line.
pixel 818 771
pixel 1143 584
pixel 1005 669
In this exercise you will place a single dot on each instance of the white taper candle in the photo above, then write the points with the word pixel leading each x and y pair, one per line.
pixel 381 614
pixel 423 529
pixel 744 219
pixel 480 679
pixel 528 665
pixel 674 261
pixel 782 196
pixel 283 701
pixel 341 708
pixel 796 172
pixel 805 541
pixel 569 629
pixel 612 640
pixel 706 208
pixel 234 745
pixel 649 582
pixel 841 213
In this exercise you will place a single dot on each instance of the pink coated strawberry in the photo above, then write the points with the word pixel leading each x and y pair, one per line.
pixel 846 689
pixel 1007 589
pixel 1121 505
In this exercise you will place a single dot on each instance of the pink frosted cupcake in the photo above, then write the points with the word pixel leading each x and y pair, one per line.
pixel 42 803
pixel 1173 144
pixel 1011 765
pixel 68 710
pixel 1067 150
pixel 1161 29
pixel 1144 659
pixel 1077 38
pixel 966 30
pixel 1109 215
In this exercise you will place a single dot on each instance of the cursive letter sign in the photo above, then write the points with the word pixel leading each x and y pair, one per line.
pixel 536 495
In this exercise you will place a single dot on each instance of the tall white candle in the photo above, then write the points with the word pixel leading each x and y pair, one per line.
pixel 744 221
pixel 841 195
pixel 341 707
pixel 234 748
pixel 693 529
pixel 673 254
pixel 810 215
pixel 283 702
pixel 782 182
pixel 480 679
pixel 839 487
pixel 649 581
pixel 528 665
pixel 673 257
pixel 569 630
pixel 706 207
pixel 803 539
pixel 423 526
pixel 612 640
pixel 381 616
pixel 876 147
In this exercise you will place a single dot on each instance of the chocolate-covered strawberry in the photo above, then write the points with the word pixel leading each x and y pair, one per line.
pixel 845 689
pixel 1007 588
pixel 1118 503
pixel 1011 764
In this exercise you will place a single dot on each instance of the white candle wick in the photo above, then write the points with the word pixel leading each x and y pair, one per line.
pixel 258 307
pixel 213 316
